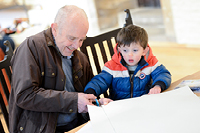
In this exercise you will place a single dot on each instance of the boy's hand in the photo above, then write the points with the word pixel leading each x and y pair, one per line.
pixel 155 90
pixel 104 101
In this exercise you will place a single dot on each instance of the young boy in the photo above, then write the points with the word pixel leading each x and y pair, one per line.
pixel 133 70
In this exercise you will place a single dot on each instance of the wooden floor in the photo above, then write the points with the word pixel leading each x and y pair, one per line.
pixel 180 60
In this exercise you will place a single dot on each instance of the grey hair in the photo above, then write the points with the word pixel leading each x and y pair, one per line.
pixel 66 12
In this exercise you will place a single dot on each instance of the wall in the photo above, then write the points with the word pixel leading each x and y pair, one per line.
pixel 184 19
pixel 107 11
pixel 168 18
pixel 87 5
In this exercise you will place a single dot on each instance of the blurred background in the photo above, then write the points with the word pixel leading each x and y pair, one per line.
pixel 173 26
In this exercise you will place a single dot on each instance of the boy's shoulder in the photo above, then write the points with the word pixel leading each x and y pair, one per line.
pixel 115 66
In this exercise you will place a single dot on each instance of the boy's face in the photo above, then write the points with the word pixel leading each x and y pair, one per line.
pixel 132 54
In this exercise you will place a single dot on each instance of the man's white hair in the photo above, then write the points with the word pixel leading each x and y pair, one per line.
pixel 66 12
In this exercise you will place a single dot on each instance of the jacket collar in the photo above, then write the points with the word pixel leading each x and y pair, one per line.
pixel 50 40
pixel 49 37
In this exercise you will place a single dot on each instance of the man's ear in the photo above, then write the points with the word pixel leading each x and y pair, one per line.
pixel 54 28
pixel 145 51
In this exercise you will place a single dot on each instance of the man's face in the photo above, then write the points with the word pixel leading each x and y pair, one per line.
pixel 132 54
pixel 70 36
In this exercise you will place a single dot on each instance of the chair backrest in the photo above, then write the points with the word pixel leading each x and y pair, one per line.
pixel 99 49
pixel 5 78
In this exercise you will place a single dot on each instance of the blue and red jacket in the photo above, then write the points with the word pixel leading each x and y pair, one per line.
pixel 116 77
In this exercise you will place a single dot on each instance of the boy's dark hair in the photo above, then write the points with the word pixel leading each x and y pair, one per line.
pixel 132 33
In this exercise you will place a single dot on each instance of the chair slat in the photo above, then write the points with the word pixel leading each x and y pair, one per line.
pixel 1 128
pixel 94 53
pixel 4 110
pixel 103 53
pixel 109 42
pixel 9 73
pixel 4 85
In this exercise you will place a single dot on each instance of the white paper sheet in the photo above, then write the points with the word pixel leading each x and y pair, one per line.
pixel 86 129
pixel 176 111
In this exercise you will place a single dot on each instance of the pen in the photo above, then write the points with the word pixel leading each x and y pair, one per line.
pixel 97 103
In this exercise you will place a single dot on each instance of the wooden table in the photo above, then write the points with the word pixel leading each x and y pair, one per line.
pixel 189 77
pixel 76 129
pixel 172 86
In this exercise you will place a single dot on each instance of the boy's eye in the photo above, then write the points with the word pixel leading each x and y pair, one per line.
pixel 135 50
pixel 124 50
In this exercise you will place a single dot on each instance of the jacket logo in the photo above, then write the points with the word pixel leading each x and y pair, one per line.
pixel 142 75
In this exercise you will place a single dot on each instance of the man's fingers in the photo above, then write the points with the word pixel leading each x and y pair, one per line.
pixel 90 96
pixel 90 103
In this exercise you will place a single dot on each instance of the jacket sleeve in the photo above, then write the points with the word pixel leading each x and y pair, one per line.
pixel 161 76
pixel 99 83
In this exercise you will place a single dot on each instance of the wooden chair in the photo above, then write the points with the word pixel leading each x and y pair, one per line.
pixel 100 47
pixel 5 78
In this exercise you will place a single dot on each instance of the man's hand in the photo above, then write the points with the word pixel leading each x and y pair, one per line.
pixel 104 101
pixel 155 90
pixel 84 100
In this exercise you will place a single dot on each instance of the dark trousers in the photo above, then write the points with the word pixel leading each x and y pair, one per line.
pixel 75 123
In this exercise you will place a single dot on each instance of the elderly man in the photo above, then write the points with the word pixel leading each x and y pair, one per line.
pixel 49 74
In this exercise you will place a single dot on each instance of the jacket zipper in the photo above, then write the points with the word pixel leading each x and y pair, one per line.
pixel 131 80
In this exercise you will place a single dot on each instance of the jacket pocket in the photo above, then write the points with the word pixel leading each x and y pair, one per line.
pixel 27 125
pixel 49 79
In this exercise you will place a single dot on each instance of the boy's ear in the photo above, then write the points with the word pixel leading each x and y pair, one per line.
pixel 119 49
pixel 145 51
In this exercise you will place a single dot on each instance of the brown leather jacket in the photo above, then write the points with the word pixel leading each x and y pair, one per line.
pixel 37 88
